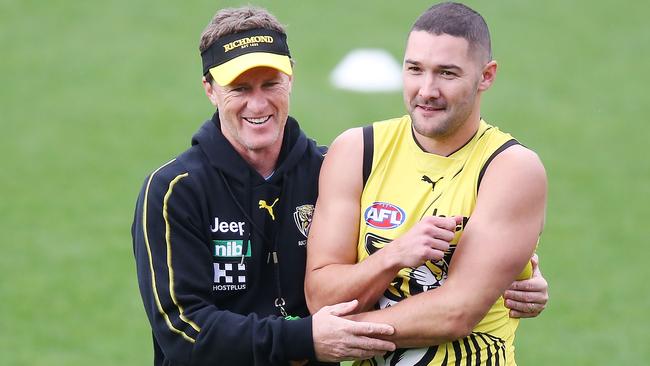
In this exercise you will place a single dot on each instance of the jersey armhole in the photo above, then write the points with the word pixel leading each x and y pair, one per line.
pixel 368 147
pixel 498 151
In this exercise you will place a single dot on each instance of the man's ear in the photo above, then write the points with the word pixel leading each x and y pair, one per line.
pixel 488 75
pixel 209 91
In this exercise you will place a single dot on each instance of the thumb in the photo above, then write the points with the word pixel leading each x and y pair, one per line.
pixel 534 260
pixel 343 308
pixel 459 219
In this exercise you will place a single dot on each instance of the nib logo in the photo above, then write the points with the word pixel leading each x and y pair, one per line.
pixel 230 249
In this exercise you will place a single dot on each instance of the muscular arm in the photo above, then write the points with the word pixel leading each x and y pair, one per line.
pixel 332 275
pixel 496 244
pixel 332 272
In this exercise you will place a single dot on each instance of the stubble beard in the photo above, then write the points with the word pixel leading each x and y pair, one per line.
pixel 440 127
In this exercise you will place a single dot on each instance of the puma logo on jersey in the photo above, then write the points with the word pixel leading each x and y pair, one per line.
pixel 266 206
pixel 428 180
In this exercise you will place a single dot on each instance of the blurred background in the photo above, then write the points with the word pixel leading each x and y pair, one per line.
pixel 94 95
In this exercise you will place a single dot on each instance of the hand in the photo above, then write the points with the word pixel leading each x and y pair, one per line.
pixel 528 298
pixel 338 339
pixel 428 240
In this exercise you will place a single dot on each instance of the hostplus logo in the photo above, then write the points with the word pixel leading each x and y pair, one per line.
pixel 229 276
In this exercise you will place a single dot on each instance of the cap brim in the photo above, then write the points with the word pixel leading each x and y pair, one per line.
pixel 225 73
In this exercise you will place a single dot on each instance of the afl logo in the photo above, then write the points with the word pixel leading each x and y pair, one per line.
pixel 383 215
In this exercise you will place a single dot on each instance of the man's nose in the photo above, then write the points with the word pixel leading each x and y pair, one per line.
pixel 429 89
pixel 258 101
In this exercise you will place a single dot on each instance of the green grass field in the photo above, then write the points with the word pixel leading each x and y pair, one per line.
pixel 94 95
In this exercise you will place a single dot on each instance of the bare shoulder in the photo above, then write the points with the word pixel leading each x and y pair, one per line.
pixel 349 140
pixel 517 164
pixel 343 164
pixel 345 155
pixel 515 179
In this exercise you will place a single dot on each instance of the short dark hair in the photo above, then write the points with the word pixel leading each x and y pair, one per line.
pixel 457 20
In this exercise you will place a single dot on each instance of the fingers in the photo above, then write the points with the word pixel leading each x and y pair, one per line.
pixel 361 347
pixel 343 308
pixel 440 245
pixel 524 309
pixel 371 344
pixel 435 255
pixel 537 297
pixel 532 284
pixel 519 314
pixel 525 304
pixel 458 220
pixel 447 223
pixel 371 329
pixel 338 339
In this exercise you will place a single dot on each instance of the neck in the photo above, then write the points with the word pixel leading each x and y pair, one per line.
pixel 263 161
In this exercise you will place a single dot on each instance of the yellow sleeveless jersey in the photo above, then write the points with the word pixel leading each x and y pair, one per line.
pixel 403 185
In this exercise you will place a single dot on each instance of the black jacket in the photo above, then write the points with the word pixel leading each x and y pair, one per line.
pixel 206 233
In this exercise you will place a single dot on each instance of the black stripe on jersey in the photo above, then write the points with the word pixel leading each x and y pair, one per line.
pixel 468 351
pixel 397 356
pixel 480 137
pixel 457 352
pixel 484 132
pixel 498 151
pixel 468 141
pixel 477 348
pixel 488 362
pixel 428 356
pixel 500 346
pixel 368 150
pixel 430 204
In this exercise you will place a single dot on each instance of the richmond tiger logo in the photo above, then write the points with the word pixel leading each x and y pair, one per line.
pixel 302 217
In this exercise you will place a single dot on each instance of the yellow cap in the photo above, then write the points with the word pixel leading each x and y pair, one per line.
pixel 225 73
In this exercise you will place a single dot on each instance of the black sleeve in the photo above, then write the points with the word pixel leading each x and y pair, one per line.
pixel 175 275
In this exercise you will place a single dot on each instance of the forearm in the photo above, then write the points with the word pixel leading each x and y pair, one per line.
pixel 433 317
pixel 365 281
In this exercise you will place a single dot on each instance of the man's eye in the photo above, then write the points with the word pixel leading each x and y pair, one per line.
pixel 447 73
pixel 413 69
